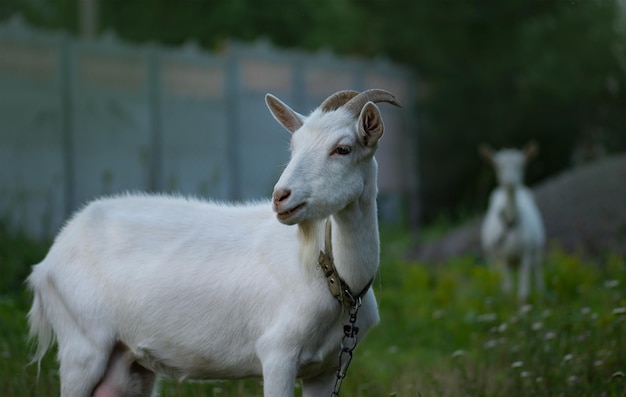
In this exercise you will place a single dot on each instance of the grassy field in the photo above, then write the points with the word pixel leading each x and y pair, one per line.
pixel 445 331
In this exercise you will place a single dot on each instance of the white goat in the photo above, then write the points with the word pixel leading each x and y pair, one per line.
pixel 137 285
pixel 512 231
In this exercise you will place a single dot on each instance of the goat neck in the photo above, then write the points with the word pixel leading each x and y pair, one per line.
pixel 509 212
pixel 355 239
pixel 356 243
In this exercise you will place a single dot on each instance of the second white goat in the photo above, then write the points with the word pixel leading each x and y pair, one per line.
pixel 512 231
pixel 139 285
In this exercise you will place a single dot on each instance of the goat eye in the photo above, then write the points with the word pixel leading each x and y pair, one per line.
pixel 342 150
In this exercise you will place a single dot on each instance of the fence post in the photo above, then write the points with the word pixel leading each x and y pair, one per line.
pixel 67 122
pixel 155 182
pixel 233 98
pixel 298 85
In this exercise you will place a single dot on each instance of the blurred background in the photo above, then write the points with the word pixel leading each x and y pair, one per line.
pixel 103 96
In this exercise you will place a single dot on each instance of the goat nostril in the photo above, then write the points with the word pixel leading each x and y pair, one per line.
pixel 281 195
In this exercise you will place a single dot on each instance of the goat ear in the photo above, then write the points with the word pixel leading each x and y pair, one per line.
pixel 285 116
pixel 370 125
pixel 531 150
pixel 486 152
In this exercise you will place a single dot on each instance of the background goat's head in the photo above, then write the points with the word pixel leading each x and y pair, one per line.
pixel 332 154
pixel 509 164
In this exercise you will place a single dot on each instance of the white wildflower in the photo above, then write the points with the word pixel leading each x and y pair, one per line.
pixel 458 353
pixel 619 311
pixel 486 318
pixel 491 343
pixel 438 314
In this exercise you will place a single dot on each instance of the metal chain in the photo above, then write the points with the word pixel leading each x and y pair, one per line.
pixel 348 344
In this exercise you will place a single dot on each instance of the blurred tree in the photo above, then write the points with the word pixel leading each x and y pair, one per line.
pixel 51 14
pixel 506 72
pixel 497 71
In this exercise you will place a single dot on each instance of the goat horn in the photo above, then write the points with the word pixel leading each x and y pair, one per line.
pixel 337 100
pixel 355 105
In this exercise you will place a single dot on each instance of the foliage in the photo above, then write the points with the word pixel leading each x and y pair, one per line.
pixel 527 74
pixel 506 72
pixel 17 254
pixel 445 331
pixel 448 331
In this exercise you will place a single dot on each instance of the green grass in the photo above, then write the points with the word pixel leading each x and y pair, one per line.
pixel 445 331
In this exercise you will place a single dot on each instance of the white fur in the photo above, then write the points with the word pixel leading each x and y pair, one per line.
pixel 204 290
pixel 512 231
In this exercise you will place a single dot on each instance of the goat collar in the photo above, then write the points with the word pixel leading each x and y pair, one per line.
pixel 337 286
pixel 508 222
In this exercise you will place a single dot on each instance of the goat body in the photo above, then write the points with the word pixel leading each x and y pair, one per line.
pixel 141 284
pixel 512 231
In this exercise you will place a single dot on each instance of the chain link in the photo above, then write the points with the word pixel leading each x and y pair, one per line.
pixel 348 344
